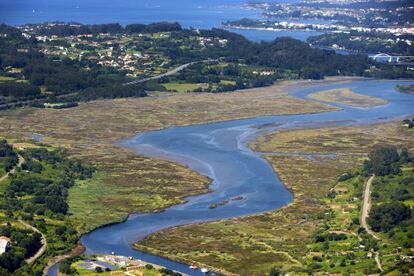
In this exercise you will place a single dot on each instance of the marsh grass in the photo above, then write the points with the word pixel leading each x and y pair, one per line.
pixel 284 238
pixel 348 97
pixel 126 182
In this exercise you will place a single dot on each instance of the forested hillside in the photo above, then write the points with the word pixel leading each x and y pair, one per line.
pixel 38 66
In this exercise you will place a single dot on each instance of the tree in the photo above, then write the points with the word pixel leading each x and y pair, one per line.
pixel 386 216
pixel 56 204
pixel 383 160
pixel 11 260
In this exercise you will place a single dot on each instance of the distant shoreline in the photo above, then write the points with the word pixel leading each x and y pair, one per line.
pixel 237 27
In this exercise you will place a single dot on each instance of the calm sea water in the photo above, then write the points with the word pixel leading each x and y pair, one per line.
pixel 203 14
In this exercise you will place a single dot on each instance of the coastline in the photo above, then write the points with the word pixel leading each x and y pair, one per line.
pixel 270 29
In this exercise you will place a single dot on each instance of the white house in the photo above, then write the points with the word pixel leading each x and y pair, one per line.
pixel 4 244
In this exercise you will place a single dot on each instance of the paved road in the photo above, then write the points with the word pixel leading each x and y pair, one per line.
pixel 366 207
pixel 42 249
pixel 169 73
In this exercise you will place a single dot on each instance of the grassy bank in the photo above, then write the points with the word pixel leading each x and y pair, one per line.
pixel 285 240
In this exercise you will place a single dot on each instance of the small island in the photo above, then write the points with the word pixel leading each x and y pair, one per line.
pixel 348 97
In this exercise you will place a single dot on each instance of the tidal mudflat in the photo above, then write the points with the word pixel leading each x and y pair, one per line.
pixel 219 151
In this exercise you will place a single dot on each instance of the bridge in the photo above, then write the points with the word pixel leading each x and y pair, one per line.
pixel 382 57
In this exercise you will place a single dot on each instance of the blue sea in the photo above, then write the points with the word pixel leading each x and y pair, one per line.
pixel 203 14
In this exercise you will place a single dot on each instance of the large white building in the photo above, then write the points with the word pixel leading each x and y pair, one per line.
pixel 4 244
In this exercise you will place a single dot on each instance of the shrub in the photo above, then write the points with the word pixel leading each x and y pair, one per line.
pixel 345 176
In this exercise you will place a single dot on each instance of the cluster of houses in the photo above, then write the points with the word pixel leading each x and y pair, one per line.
pixel 118 265
pixel 122 261
pixel 102 53
pixel 209 41
pixel 326 27
pixel 118 51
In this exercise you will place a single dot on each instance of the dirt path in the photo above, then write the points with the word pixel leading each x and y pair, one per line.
pixel 44 243
pixel 12 171
pixel 377 260
pixel 366 207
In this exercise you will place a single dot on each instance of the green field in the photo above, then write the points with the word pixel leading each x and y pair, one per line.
pixel 190 87
pixel 183 87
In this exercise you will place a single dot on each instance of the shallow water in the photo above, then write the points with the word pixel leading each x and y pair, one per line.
pixel 189 13
pixel 219 151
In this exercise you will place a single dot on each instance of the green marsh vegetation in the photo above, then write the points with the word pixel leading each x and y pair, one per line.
pixel 37 194
pixel 320 230
pixel 124 182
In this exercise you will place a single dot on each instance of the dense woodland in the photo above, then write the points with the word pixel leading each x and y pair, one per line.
pixel 387 163
pixel 291 54
pixel 64 77
pixel 8 158
pixel 385 160
pixel 80 29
